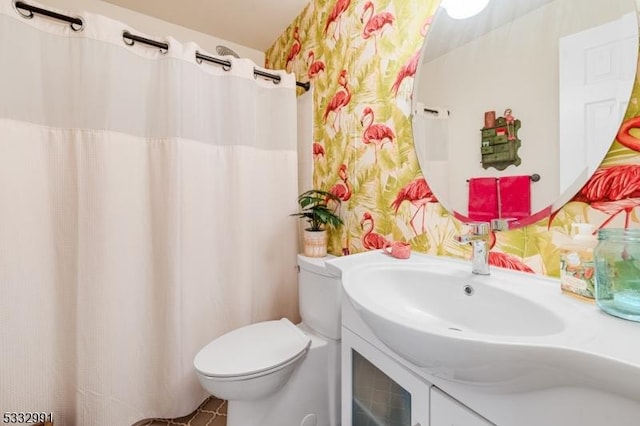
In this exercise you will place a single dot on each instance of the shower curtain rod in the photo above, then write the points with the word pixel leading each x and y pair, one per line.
pixel 77 24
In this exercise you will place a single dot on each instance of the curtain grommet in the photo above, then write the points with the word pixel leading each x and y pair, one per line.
pixel 27 14
pixel 127 39
pixel 77 27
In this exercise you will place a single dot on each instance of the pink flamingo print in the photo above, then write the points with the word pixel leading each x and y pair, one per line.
pixel 418 193
pixel 295 47
pixel 318 150
pixel 375 23
pixel 407 70
pixel 613 190
pixel 625 137
pixel 503 260
pixel 339 100
pixel 377 133
pixel 335 17
pixel 410 67
pixel 370 239
pixel 313 67
pixel 425 25
pixel 342 189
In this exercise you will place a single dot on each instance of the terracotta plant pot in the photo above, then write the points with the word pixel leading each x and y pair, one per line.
pixel 315 243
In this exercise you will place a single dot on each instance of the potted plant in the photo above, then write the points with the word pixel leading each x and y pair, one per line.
pixel 314 208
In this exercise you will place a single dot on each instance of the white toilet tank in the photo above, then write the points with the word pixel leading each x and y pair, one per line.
pixel 319 296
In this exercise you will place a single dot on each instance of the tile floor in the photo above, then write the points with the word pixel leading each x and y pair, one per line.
pixel 212 412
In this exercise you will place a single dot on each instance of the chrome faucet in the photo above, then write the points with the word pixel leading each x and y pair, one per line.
pixel 478 236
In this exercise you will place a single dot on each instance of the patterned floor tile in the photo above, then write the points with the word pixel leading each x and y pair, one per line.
pixel 212 412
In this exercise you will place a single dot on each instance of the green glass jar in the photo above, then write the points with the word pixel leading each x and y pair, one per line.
pixel 617 267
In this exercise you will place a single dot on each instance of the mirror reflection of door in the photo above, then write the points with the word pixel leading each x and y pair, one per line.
pixel 514 55
pixel 602 57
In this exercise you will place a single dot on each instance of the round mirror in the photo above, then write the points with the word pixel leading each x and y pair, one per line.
pixel 515 107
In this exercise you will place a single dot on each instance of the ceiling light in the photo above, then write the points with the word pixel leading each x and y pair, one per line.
pixel 462 9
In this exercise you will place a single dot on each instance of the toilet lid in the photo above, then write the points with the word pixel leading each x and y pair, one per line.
pixel 252 349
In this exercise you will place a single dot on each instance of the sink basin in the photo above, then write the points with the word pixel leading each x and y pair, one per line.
pixel 511 330
pixel 448 300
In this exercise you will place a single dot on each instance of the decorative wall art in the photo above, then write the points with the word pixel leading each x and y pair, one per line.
pixel 500 142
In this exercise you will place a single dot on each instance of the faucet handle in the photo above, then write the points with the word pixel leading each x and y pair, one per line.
pixel 501 224
pixel 479 228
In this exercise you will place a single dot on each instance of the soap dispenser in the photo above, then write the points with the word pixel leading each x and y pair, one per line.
pixel 576 261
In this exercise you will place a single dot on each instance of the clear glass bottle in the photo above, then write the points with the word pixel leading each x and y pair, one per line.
pixel 617 267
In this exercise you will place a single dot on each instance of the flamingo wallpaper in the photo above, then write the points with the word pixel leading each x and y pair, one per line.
pixel 361 56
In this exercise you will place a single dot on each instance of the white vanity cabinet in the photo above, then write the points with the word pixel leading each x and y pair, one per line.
pixel 377 390
pixel 446 411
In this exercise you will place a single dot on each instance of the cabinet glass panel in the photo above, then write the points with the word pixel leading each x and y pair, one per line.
pixel 377 399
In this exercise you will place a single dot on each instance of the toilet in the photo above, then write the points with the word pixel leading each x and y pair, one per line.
pixel 275 373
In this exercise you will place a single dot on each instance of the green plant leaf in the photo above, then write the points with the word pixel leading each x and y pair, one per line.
pixel 315 210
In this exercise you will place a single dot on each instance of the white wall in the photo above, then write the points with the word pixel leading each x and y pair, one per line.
pixel 153 26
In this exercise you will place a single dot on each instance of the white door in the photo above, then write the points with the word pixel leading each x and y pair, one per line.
pixel 597 71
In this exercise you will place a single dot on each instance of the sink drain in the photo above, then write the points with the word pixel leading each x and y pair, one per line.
pixel 468 290
pixel 455 329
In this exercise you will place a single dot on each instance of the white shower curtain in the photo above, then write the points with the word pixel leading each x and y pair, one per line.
pixel 144 202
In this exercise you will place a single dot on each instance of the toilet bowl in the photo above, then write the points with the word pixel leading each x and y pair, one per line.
pixel 275 373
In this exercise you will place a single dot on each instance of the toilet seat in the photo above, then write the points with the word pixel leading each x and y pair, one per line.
pixel 247 377
pixel 253 350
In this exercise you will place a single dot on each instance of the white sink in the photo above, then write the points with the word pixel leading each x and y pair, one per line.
pixel 447 300
pixel 509 329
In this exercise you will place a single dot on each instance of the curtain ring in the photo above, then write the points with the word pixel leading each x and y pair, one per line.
pixel 27 14
pixel 164 51
pixel 226 68
pixel 198 60
pixel 128 41
pixel 273 80
pixel 77 27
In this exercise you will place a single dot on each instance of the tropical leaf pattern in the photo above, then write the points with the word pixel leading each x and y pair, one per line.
pixel 361 56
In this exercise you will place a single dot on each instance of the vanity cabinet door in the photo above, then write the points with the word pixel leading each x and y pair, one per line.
pixel 446 411
pixel 377 391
